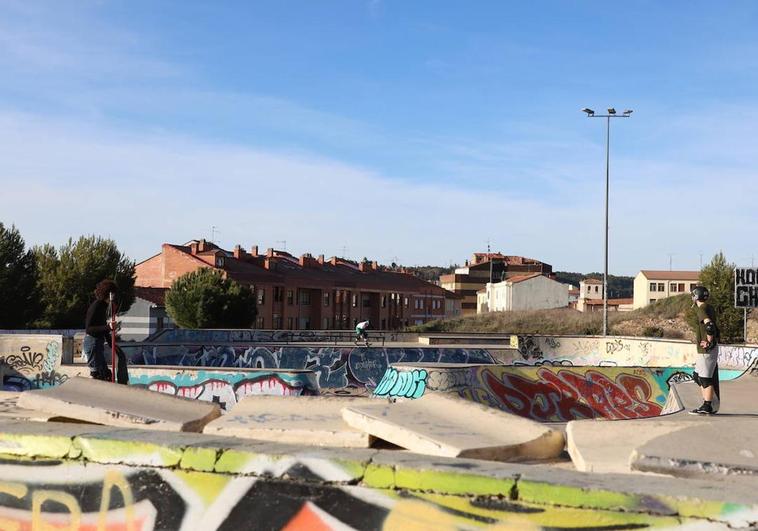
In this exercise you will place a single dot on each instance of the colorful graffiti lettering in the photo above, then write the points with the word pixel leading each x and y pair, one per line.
pixel 408 384
pixel 226 389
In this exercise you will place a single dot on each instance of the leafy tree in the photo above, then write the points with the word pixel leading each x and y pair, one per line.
pixel 18 281
pixel 205 299
pixel 68 276
pixel 718 277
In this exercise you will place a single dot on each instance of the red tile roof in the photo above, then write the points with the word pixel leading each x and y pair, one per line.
pixel 611 302
pixel 670 275
pixel 592 281
pixel 521 278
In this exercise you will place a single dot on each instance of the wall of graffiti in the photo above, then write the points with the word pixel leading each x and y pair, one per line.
pixel 67 495
pixel 30 361
pixel 338 368
pixel 618 351
pixel 225 388
pixel 545 393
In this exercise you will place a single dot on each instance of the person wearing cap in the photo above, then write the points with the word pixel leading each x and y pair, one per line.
pixel 706 373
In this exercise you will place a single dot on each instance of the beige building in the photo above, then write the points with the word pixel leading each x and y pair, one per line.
pixel 591 298
pixel 650 286
pixel 522 292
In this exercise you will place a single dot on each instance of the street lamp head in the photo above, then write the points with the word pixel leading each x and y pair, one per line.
pixel 628 112
pixel 611 111
pixel 589 112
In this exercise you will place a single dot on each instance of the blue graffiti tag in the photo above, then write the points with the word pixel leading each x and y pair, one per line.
pixel 410 384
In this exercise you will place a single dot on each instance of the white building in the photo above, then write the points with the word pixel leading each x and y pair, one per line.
pixel 591 298
pixel 650 286
pixel 522 292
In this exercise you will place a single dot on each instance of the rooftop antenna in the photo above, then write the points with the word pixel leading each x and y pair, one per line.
pixel 214 230
pixel 344 251
pixel 284 243
pixel 701 259
pixel 671 256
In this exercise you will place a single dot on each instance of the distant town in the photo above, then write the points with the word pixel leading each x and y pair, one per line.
pixel 314 292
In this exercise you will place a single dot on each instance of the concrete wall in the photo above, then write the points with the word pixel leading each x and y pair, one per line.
pixel 547 393
pixel 622 351
pixel 30 360
pixel 357 368
pixel 246 335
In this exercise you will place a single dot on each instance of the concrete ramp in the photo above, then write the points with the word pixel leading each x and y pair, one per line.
pixel 448 426
pixel 308 420
pixel 111 404
pixel 545 394
pixel 9 409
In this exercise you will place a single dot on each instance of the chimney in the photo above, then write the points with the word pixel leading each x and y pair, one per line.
pixel 193 247
pixel 333 260
pixel 321 259
pixel 254 250
pixel 307 260
pixel 362 267
pixel 239 253
pixel 375 265
pixel 270 252
pixel 202 246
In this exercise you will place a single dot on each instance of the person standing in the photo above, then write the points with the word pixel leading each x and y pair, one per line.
pixel 706 373
pixel 98 333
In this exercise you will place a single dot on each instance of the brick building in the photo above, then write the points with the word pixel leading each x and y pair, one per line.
pixel 306 292
pixel 488 267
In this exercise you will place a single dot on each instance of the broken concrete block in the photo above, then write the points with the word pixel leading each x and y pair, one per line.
pixel 606 446
pixel 309 420
pixel 451 427
pixel 119 405
pixel 9 409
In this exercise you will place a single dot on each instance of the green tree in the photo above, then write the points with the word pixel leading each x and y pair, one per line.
pixel 718 277
pixel 205 299
pixel 68 276
pixel 18 281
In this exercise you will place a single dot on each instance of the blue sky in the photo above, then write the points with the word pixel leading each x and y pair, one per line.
pixel 409 131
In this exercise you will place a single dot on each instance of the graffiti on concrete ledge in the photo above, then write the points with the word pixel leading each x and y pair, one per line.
pixel 226 388
pixel 336 367
pixel 406 384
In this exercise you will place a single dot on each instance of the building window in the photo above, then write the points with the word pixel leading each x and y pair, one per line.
pixel 384 324
pixel 692 286
pixel 277 321
pixel 290 323
pixel 259 322
pixel 653 286
pixel 661 287
pixel 672 287
pixel 290 298
pixel 407 302
pixel 681 287
pixel 219 261
pixel 278 293
pixel 261 296
pixel 326 323
pixel 596 288
pixel 355 300
pixel 305 297
pixel 366 302
pixel 326 299
pixel 384 301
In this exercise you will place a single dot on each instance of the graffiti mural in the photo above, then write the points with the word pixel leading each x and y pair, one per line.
pixel 620 351
pixel 546 393
pixel 68 495
pixel 30 361
pixel 225 388
pixel 336 367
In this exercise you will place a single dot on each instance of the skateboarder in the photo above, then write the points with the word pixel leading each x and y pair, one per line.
pixel 706 373
pixel 98 333
pixel 360 332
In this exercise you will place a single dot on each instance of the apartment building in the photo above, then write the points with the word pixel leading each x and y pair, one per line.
pixel 650 285
pixel 306 292
pixel 488 267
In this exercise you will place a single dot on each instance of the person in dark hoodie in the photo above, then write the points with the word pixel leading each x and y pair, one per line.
pixel 98 333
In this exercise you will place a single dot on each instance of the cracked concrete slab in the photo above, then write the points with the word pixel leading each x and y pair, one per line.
pixel 449 426
pixel 309 420
pixel 117 405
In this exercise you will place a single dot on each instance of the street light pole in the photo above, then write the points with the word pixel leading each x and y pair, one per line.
pixel 611 114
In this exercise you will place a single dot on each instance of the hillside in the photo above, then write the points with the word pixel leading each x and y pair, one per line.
pixel 665 318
